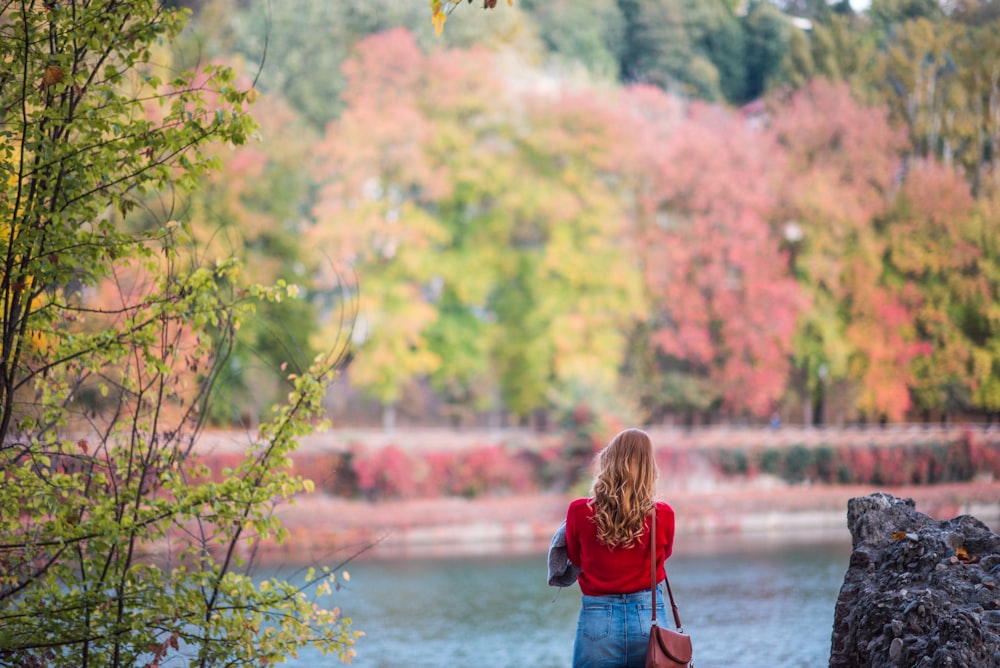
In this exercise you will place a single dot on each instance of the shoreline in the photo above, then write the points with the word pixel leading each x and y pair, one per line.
pixel 323 528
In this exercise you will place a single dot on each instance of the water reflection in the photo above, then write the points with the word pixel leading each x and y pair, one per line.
pixel 745 603
pixel 769 604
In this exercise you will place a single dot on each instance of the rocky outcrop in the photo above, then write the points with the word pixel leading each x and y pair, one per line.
pixel 918 592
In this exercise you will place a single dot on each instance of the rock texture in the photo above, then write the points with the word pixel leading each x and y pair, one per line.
pixel 919 592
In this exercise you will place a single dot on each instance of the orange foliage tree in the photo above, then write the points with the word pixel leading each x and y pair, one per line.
pixel 843 165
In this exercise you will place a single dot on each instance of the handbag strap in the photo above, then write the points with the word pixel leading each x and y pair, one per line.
pixel 652 575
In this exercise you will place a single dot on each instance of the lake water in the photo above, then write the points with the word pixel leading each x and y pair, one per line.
pixel 745 603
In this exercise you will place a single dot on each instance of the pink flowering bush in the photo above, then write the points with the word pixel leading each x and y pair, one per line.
pixel 392 473
pixel 562 464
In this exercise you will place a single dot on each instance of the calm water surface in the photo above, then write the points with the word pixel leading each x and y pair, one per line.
pixel 745 603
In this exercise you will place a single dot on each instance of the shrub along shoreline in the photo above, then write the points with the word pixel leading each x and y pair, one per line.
pixel 397 468
pixel 489 496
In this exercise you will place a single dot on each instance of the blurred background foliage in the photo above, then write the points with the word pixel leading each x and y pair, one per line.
pixel 686 211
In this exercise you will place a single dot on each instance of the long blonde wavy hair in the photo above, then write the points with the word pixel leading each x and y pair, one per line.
pixel 624 487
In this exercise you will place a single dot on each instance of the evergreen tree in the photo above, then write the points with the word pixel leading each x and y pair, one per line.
pixel 765 38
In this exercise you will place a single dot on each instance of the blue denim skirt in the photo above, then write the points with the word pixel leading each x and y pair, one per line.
pixel 613 630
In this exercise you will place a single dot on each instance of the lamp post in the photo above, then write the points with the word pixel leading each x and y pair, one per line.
pixel 822 372
pixel 793 235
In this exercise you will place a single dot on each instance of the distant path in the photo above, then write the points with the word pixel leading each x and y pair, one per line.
pixel 431 439
pixel 323 526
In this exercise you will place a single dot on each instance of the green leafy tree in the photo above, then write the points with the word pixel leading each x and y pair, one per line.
pixel 301 45
pixel 918 79
pixel 717 36
pixel 693 48
pixel 984 328
pixel 475 229
pixel 116 549
pixel 563 322
pixel 374 175
pixel 658 48
pixel 936 249
pixel 843 48
pixel 592 34
pixel 798 66
pixel 765 43
pixel 977 54
pixel 838 46
pixel 887 14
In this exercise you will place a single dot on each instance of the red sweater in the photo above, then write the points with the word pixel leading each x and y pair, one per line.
pixel 615 570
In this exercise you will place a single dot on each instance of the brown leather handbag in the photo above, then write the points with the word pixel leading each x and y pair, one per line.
pixel 667 648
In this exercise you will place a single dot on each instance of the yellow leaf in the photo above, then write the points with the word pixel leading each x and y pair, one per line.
pixel 438 16
pixel 438 20
pixel 963 556
pixel 898 535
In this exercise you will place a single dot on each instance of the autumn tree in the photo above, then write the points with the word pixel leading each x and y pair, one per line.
pixel 840 47
pixel 373 176
pixel 724 305
pixel 978 56
pixel 887 14
pixel 112 339
pixel 937 250
pixel 303 44
pixel 843 163
pixel 984 230
pixel 569 286
pixel 920 84
pixel 475 215
pixel 938 78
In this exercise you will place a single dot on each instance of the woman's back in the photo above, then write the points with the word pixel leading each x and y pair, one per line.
pixel 608 539
pixel 615 570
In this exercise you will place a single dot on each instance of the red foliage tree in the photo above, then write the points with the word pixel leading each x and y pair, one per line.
pixel 843 165
pixel 725 304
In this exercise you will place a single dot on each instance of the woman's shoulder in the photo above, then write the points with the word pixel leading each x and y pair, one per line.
pixel 579 506
pixel 578 513
pixel 664 509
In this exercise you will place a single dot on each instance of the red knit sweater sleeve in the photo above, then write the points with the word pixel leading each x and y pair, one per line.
pixel 618 570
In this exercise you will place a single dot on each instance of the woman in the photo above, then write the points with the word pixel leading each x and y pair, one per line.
pixel 607 538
